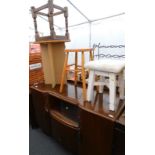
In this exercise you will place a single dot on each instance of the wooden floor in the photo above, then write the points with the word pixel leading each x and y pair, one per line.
pixel 73 93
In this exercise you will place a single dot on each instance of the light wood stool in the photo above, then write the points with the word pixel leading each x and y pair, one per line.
pixel 77 68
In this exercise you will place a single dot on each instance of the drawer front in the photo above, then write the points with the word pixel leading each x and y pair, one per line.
pixel 66 136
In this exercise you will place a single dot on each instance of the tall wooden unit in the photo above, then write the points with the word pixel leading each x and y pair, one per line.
pixel 53 59
pixel 53 45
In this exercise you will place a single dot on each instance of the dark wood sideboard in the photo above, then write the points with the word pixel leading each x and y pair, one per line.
pixel 81 127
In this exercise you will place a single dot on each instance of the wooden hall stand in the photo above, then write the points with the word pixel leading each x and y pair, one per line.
pixel 52 46
pixel 77 67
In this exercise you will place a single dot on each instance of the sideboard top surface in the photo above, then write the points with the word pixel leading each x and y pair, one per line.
pixel 73 95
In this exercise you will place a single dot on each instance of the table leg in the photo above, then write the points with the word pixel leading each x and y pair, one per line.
pixel 90 85
pixel 112 91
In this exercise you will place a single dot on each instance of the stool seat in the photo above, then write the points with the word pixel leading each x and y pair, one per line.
pixel 106 65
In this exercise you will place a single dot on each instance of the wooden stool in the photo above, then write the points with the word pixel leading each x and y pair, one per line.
pixel 77 67
pixel 106 68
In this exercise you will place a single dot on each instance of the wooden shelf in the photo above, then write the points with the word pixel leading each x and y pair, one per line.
pixel 64 98
pixel 64 120
pixel 51 41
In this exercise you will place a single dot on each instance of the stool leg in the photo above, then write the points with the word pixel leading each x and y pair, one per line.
pixel 91 55
pixel 83 77
pixel 112 91
pixel 102 79
pixel 75 72
pixel 90 89
pixel 121 86
pixel 63 73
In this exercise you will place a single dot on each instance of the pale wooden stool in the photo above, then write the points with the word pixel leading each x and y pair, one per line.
pixel 77 67
pixel 110 68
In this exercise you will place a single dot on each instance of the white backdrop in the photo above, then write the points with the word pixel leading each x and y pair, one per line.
pixel 109 31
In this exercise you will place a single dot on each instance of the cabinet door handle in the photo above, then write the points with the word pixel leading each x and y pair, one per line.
pixel 66 107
